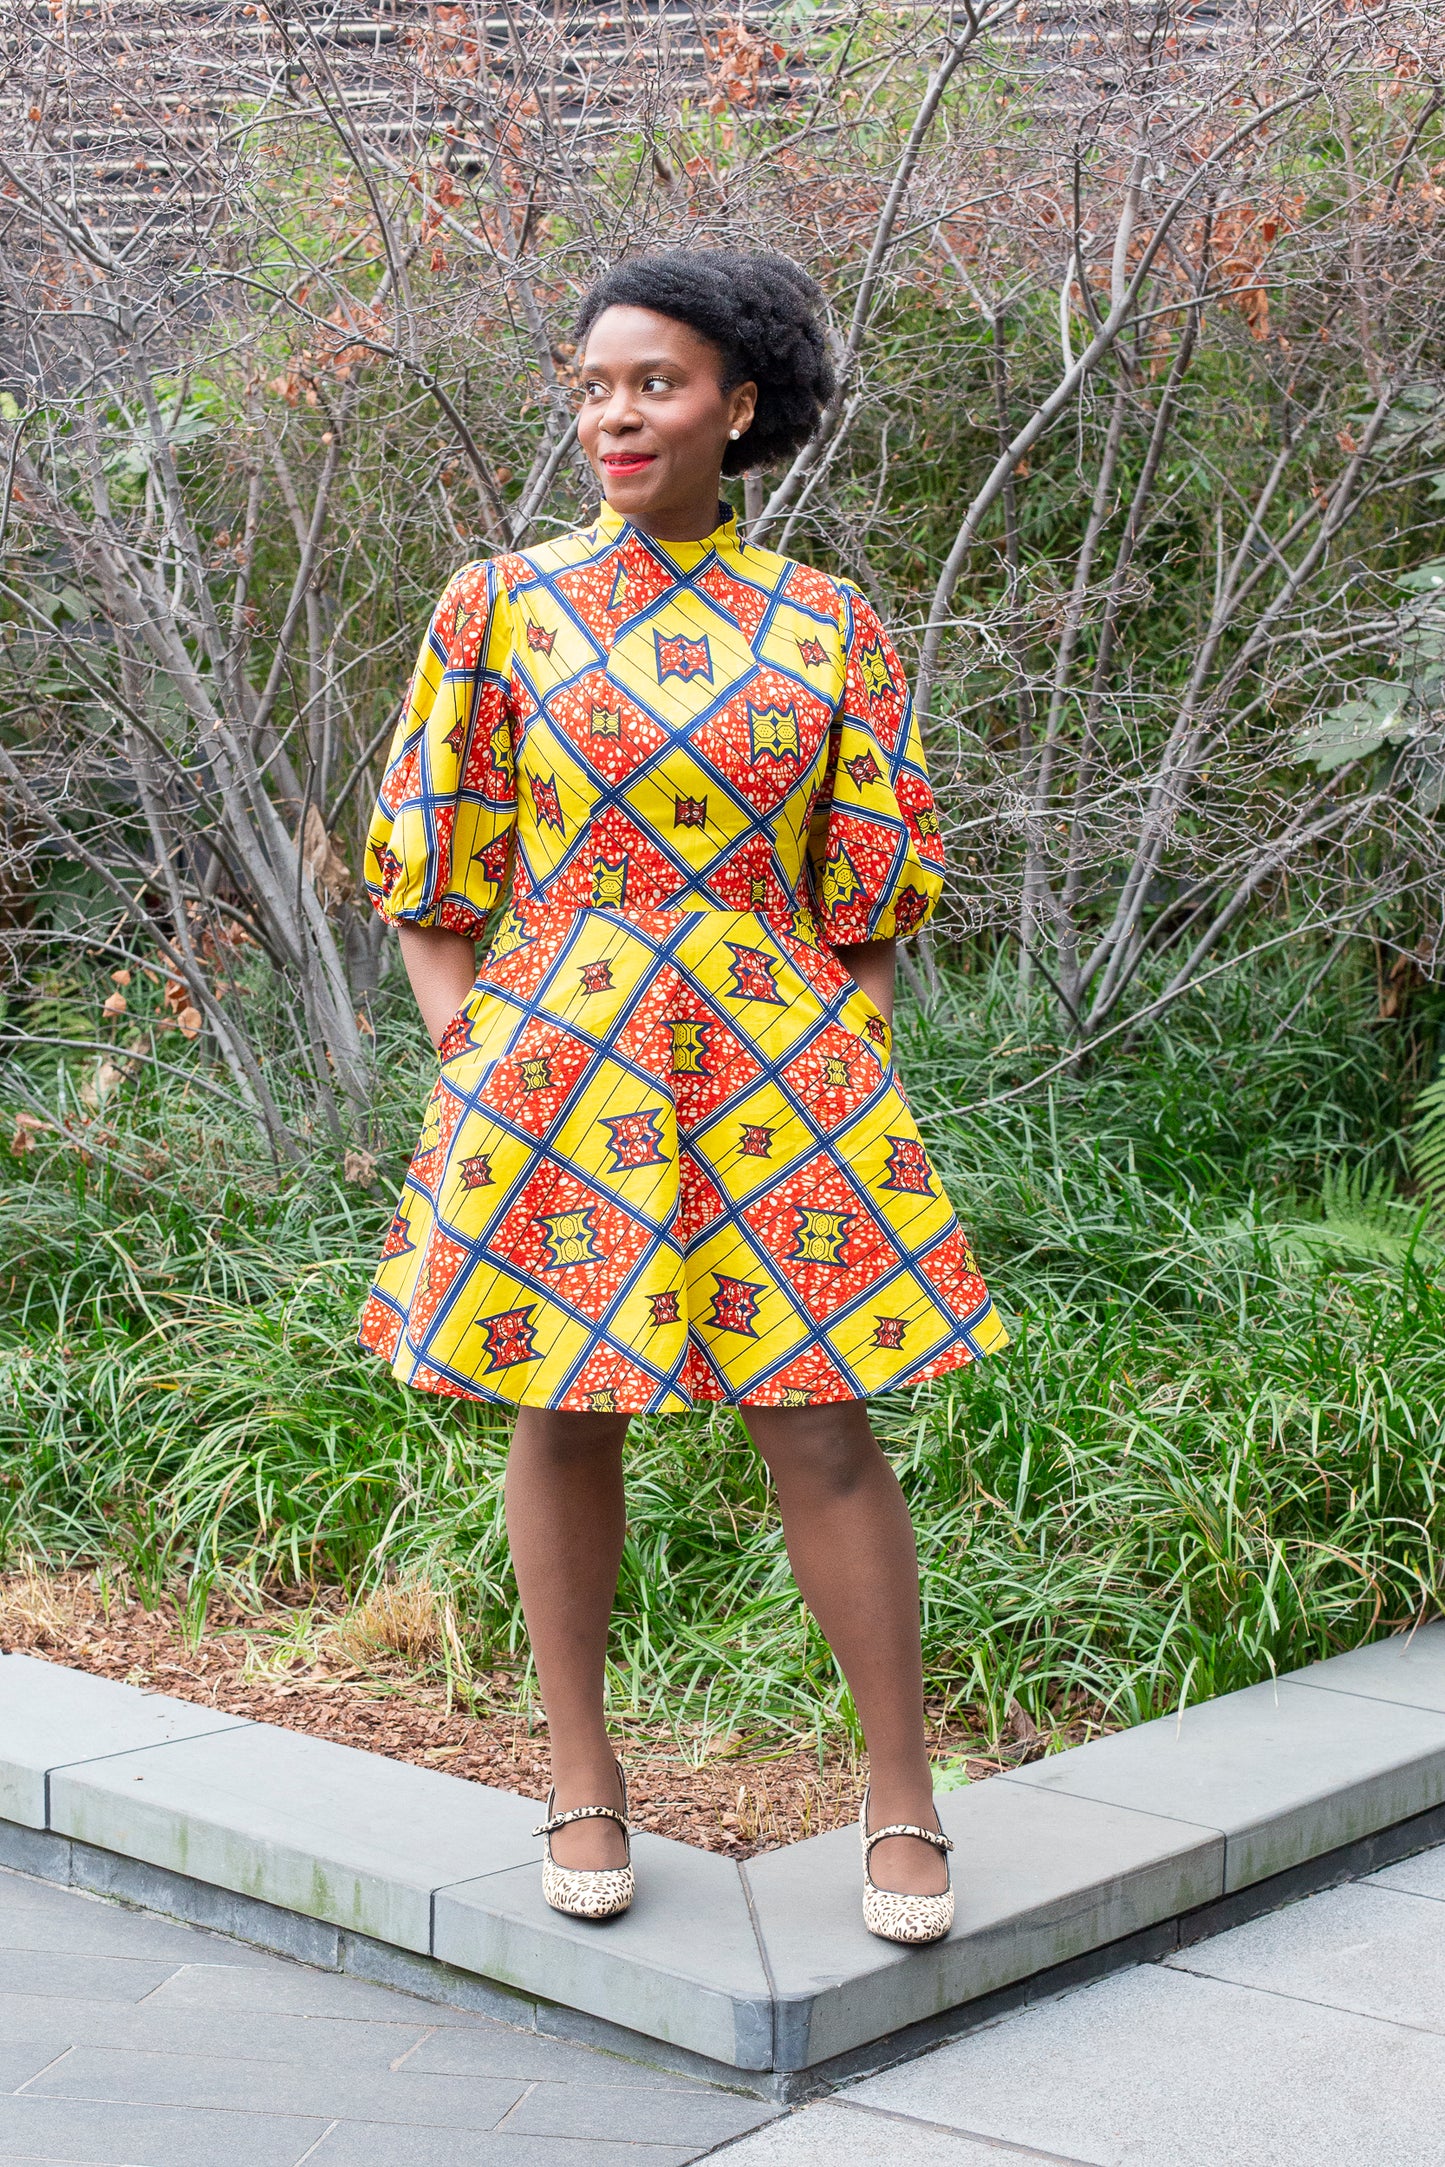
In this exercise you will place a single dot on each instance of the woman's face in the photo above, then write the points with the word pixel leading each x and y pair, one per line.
pixel 655 420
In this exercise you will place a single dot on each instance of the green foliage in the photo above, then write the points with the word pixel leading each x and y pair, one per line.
pixel 1214 1450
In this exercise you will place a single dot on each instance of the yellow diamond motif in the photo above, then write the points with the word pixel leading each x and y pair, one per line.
pixel 840 882
pixel 774 730
pixel 877 677
pixel 568 1238
pixel 607 885
pixel 821 1236
pixel 688 1047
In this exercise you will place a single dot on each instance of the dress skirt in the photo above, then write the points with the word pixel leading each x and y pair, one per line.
pixel 667 1161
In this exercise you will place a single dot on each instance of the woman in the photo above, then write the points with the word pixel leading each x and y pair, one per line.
pixel 666 1160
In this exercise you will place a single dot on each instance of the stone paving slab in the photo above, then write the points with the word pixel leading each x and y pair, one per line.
pixel 1408 1669
pixel 221 2081
pixel 682 1965
pixel 107 2133
pixel 50 1715
pixel 44 1975
pixel 497 2050
pixel 353 2144
pixel 282 1989
pixel 639 2117
pixel 1421 1876
pixel 838 2133
pixel 323 1829
pixel 1374 1950
pixel 1159 2068
pixel 1283 1771
pixel 22 2059
pixel 256 2035
pixel 1039 1877
pixel 62 1921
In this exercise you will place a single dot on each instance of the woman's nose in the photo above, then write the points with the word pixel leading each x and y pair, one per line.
pixel 620 414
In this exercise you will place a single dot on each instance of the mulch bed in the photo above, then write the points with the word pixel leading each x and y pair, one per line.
pixel 298 1669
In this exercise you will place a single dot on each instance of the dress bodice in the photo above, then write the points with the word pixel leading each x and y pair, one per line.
pixel 612 722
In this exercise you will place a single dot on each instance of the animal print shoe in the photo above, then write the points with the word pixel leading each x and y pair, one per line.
pixel 892 1914
pixel 587 1892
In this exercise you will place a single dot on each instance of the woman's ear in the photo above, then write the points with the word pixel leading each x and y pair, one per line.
pixel 744 406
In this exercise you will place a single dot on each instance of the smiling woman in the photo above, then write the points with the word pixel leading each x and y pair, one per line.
pixel 667 1159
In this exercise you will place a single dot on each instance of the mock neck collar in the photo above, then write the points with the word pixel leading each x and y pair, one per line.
pixel 611 525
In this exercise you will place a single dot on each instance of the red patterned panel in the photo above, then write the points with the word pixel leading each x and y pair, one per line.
pixel 380 1327
pixel 821 1236
pixel 531 1084
pixel 461 619
pixel 765 737
pixel 953 1268
pixel 747 880
pixel 833 1075
pixel 441 1261
pixel 811 1381
pixel 709 1064
pixel 609 730
pixel 700 1203
pixel 608 1383
pixel 438 1129
pixel 744 604
pixel 700 1380
pixel 576 1241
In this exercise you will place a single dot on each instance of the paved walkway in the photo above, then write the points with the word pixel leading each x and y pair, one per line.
pixel 1315 2035
pixel 127 2041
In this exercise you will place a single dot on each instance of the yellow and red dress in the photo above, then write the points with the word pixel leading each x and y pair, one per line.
pixel 666 1159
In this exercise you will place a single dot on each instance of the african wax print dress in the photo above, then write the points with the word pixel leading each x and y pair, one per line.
pixel 666 1159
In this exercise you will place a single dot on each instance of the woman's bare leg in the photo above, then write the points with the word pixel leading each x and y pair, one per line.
pixel 850 1542
pixel 565 1521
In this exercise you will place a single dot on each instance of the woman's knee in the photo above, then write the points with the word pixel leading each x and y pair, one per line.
pixel 830 1449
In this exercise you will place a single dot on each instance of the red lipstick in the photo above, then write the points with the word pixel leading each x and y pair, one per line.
pixel 627 462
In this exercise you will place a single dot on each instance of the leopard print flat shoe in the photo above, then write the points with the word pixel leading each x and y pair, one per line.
pixel 587 1892
pixel 892 1914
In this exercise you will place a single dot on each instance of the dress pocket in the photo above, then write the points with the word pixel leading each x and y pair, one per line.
pixel 456 1038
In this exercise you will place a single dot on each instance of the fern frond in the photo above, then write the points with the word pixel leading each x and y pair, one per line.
pixel 1427 1142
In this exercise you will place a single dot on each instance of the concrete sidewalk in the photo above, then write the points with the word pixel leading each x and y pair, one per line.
pixel 129 2041
pixel 1313 2036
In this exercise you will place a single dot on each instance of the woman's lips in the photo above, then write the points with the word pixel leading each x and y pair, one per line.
pixel 627 462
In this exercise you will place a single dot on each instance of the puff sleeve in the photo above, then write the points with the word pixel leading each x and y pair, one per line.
pixel 874 843
pixel 438 845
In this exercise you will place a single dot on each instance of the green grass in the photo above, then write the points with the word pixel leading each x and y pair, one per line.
pixel 1213 1451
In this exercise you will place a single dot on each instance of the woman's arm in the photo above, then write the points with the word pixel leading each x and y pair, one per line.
pixel 872 964
pixel 442 968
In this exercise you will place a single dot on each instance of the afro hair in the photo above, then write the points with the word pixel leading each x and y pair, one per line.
pixel 760 311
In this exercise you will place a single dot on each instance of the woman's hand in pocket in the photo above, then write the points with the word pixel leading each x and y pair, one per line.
pixel 872 965
pixel 442 968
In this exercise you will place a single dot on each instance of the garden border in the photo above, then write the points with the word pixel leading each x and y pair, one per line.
pixel 758 1974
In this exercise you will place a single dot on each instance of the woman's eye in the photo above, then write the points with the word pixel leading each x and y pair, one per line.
pixel 655 383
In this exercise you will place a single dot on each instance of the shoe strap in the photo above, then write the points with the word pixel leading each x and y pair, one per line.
pixel 934 1836
pixel 581 1813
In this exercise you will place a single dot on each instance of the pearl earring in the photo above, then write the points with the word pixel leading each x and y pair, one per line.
pixel 735 434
